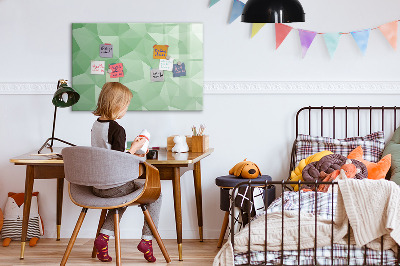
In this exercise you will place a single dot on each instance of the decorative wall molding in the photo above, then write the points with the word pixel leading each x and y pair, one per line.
pixel 302 87
pixel 28 88
pixel 250 87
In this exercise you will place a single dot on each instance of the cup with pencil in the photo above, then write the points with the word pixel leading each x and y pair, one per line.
pixel 199 140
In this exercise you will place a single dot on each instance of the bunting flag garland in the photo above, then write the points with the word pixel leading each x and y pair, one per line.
pixel 256 28
pixel 237 9
pixel 213 2
pixel 306 39
pixel 281 31
pixel 361 37
pixel 389 30
pixel 332 41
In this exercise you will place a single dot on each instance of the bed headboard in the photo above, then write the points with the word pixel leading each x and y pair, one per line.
pixel 344 121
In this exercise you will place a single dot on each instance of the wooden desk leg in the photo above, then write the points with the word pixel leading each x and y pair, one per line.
pixel 27 206
pixel 199 204
pixel 176 183
pixel 60 191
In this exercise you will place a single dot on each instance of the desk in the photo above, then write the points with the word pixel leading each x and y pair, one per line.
pixel 169 165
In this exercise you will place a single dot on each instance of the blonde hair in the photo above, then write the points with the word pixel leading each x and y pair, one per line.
pixel 112 99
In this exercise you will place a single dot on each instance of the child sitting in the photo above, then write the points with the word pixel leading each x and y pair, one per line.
pixel 106 133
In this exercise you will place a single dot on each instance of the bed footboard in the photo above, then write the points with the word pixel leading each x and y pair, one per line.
pixel 379 257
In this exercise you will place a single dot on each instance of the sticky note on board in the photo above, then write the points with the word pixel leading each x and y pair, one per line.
pixel 179 70
pixel 117 70
pixel 160 51
pixel 97 67
pixel 110 79
pixel 166 64
pixel 156 75
pixel 106 50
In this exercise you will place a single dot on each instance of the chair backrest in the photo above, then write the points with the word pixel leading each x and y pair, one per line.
pixel 91 166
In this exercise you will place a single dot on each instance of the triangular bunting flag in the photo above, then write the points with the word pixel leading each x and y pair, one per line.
pixel 281 31
pixel 390 32
pixel 332 41
pixel 361 38
pixel 256 28
pixel 213 2
pixel 237 9
pixel 306 39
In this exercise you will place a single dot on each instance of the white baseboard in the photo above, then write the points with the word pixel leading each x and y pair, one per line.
pixel 247 87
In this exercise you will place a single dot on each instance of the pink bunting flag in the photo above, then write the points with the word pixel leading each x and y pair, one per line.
pixel 389 30
pixel 281 31
pixel 306 39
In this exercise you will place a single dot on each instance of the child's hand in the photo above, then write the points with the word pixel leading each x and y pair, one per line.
pixel 142 155
pixel 137 144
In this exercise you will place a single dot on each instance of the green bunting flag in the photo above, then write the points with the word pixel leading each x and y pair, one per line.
pixel 332 41
pixel 213 2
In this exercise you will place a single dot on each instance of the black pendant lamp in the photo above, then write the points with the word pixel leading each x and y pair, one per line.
pixel 273 11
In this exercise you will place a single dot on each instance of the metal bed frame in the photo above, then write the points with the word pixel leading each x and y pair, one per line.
pixel 283 184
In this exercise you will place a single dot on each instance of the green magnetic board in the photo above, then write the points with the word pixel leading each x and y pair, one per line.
pixel 133 47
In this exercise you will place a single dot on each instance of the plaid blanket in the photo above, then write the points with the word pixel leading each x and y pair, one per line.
pixel 340 254
pixel 323 205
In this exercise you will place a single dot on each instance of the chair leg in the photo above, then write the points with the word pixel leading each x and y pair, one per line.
pixel 73 237
pixel 117 238
pixel 223 229
pixel 101 222
pixel 154 230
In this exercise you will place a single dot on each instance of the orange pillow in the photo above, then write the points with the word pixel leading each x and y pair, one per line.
pixel 375 170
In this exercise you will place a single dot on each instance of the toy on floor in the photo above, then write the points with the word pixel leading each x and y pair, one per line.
pixel 13 215
pixel 245 169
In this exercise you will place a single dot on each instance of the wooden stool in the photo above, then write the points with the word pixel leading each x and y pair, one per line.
pixel 226 183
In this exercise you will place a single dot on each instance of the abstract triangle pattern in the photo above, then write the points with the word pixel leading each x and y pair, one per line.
pixel 281 31
pixel 256 27
pixel 213 2
pixel 237 9
pixel 332 41
pixel 133 44
pixel 389 30
pixel 306 39
pixel 361 38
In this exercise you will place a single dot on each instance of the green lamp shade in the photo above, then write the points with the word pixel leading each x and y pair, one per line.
pixel 65 96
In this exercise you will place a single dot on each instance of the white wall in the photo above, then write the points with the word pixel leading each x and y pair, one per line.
pixel 35 47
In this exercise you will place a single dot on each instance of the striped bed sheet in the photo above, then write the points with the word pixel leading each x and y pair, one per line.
pixel 322 207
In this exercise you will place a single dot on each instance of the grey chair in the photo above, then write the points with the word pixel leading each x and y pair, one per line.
pixel 85 167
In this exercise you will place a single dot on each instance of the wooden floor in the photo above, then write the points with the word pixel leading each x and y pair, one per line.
pixel 50 252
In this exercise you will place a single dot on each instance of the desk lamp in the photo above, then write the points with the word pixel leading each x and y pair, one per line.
pixel 273 11
pixel 63 97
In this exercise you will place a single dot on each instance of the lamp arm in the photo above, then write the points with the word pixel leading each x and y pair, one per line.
pixel 54 126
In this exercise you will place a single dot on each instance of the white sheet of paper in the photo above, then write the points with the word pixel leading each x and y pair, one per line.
pixel 166 64
pixel 156 75
pixel 97 67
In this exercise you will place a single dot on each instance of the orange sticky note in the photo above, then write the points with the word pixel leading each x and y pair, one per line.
pixel 160 51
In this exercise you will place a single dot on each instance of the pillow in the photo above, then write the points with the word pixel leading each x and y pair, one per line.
pixel 296 174
pixel 393 148
pixel 375 170
pixel 329 164
pixel 372 144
